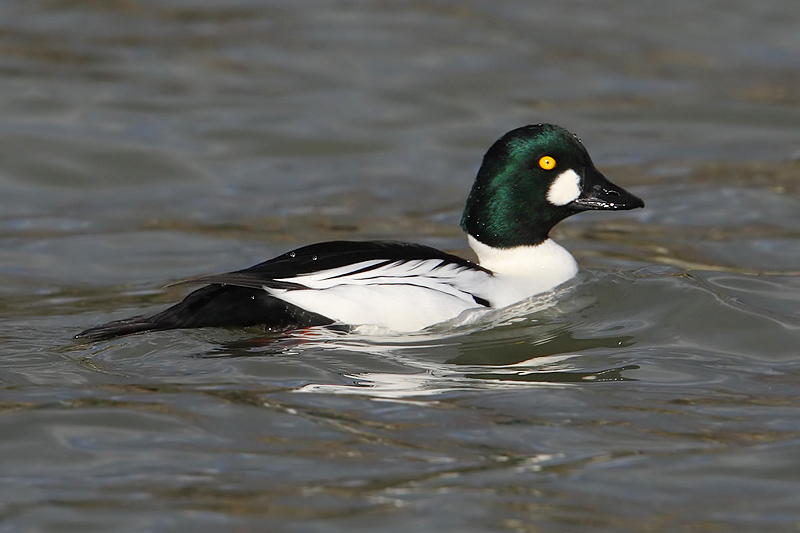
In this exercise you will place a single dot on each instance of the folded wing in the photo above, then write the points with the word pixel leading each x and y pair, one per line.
pixel 399 286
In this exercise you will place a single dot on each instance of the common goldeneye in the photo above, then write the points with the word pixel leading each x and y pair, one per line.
pixel 531 178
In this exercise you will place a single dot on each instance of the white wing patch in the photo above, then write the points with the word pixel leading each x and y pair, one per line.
pixel 565 188
pixel 399 295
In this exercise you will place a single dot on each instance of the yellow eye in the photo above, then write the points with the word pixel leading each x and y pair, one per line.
pixel 547 163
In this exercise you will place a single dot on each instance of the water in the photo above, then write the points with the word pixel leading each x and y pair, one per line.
pixel 142 143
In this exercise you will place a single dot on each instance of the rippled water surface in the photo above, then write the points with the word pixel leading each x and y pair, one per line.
pixel 146 142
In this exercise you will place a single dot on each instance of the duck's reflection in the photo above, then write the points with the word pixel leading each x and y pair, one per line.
pixel 541 354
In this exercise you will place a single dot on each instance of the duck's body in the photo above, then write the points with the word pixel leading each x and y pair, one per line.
pixel 530 179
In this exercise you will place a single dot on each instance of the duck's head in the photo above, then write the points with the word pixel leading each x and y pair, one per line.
pixel 532 178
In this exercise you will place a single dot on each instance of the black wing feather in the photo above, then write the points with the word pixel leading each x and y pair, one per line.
pixel 329 255
pixel 335 254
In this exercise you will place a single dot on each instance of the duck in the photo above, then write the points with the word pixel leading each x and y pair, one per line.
pixel 530 179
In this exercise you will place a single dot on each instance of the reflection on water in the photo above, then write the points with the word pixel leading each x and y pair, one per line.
pixel 433 382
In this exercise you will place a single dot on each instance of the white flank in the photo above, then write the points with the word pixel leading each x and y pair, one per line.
pixel 565 188
pixel 402 296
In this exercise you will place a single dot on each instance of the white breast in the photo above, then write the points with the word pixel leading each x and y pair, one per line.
pixel 524 271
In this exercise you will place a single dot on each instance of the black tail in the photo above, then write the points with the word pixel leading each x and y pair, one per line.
pixel 117 328
pixel 215 306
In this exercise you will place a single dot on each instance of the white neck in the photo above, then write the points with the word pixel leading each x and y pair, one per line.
pixel 523 271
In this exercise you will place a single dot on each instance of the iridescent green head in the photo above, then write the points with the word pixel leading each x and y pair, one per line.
pixel 532 178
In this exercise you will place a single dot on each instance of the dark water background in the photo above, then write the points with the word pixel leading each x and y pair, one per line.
pixel 146 142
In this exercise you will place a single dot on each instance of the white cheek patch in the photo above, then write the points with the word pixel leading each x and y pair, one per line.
pixel 565 188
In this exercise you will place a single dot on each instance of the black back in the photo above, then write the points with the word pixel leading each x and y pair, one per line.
pixel 329 255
